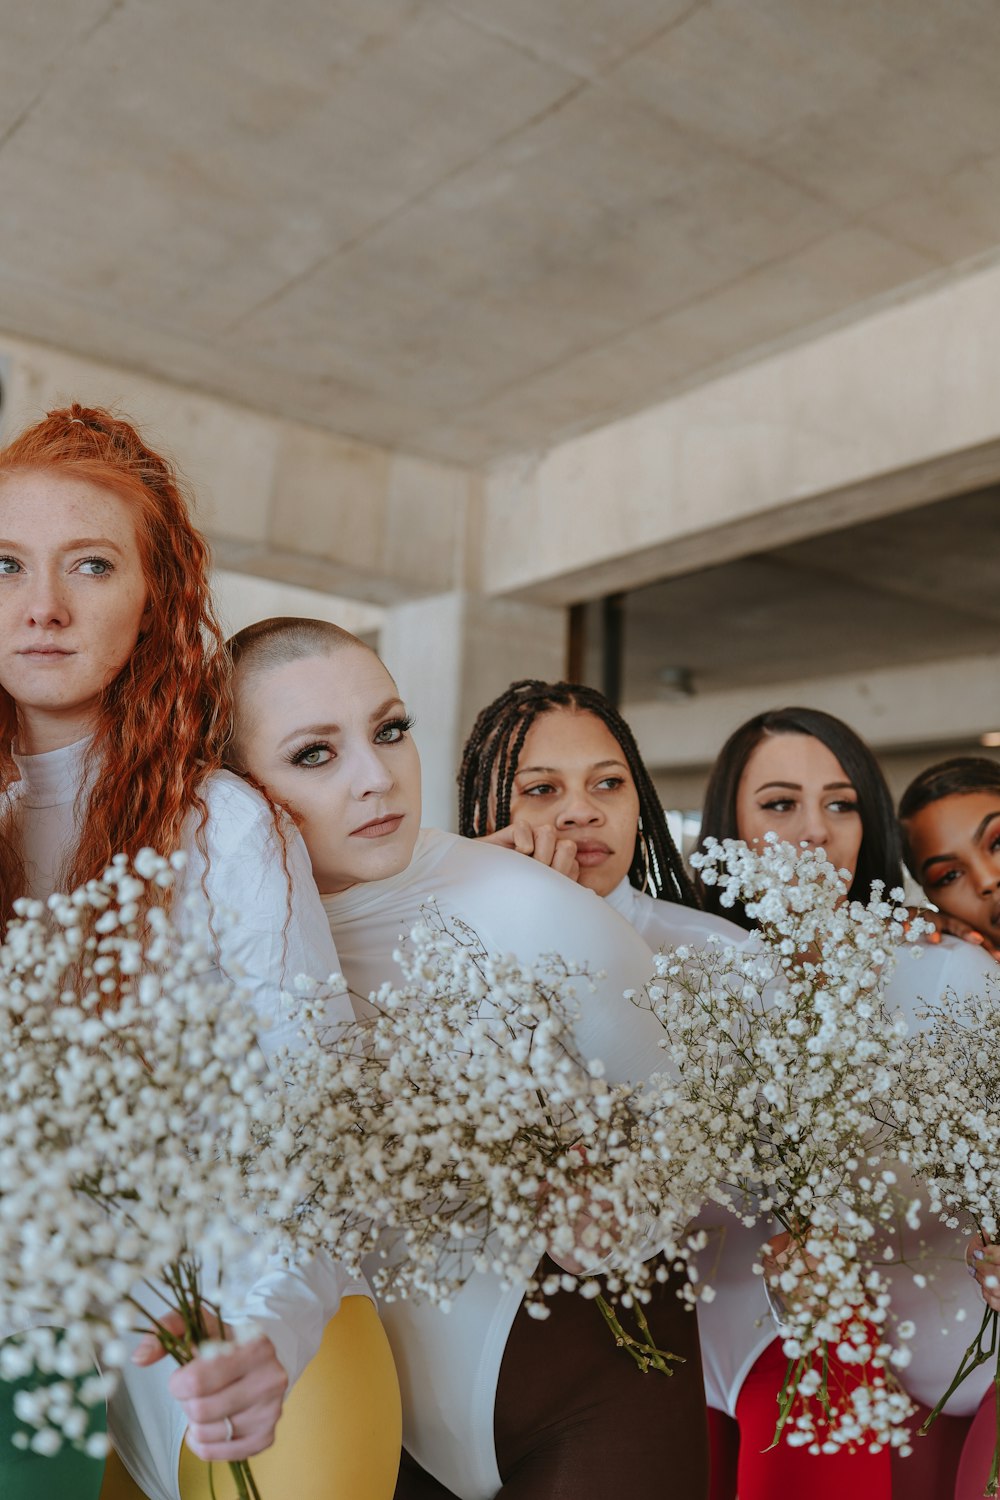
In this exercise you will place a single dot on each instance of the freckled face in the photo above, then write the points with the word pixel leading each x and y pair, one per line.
pixel 329 738
pixel 72 601
pixel 792 785
pixel 572 774
pixel 955 844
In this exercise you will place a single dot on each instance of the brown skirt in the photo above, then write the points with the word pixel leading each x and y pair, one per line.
pixel 575 1419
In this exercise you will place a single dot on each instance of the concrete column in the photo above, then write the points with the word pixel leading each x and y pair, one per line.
pixel 450 654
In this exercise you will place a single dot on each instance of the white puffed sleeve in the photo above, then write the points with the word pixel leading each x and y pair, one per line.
pixel 271 927
pixel 256 889
pixel 254 882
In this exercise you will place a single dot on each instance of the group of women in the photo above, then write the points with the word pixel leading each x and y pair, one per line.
pixel 282 763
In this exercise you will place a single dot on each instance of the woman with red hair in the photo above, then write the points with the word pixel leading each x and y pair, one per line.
pixel 114 710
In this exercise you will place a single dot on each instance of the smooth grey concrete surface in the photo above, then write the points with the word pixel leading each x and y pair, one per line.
pixel 464 311
pixel 465 228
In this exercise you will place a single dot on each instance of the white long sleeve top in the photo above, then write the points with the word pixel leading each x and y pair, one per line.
pixel 667 924
pixel 736 1327
pixel 449 1363
pixel 279 931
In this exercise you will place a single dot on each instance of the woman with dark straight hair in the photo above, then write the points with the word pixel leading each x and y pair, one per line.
pixel 860 801
pixel 809 778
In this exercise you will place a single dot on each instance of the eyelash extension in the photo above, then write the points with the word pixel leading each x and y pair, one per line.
pixel 297 756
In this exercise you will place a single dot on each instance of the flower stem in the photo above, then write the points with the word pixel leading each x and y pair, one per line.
pixel 977 1354
pixel 643 1350
pixel 794 1372
pixel 991 1483
pixel 246 1489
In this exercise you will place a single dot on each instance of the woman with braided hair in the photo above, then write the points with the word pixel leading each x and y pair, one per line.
pixel 115 708
pixel 552 770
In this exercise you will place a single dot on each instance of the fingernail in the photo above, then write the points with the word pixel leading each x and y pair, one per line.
pixel 974 937
pixel 977 1255
pixel 934 937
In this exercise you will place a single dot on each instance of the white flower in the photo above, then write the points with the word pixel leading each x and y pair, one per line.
pixel 129 1133
pixel 783 1063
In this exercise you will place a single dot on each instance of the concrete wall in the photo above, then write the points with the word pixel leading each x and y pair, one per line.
pixel 924 704
pixel 276 498
pixel 911 716
pixel 241 600
pixel 450 656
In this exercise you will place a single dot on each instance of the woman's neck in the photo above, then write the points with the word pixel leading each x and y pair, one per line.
pixel 39 731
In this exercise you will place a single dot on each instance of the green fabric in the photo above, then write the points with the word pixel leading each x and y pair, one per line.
pixel 69 1475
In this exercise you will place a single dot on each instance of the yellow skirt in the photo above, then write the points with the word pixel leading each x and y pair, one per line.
pixel 339 1434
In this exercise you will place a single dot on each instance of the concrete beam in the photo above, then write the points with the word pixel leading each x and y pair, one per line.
pixel 871 418
pixel 927 703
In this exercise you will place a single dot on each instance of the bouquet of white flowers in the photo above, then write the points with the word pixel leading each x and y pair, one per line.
pixel 947 1110
pixel 780 1050
pixel 143 1139
pixel 470 1135
pixel 131 1095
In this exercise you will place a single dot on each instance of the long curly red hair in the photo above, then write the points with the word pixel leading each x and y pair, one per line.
pixel 164 719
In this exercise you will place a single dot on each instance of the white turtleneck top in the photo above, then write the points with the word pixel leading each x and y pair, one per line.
pixel 279 932
pixel 667 924
pixel 44 796
pixel 736 1327
pixel 449 1363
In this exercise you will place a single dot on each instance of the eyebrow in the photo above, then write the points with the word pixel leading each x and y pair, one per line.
pixel 312 731
pixel 92 541
pixel 796 786
pixel 598 765
pixel 944 859
pixel 79 544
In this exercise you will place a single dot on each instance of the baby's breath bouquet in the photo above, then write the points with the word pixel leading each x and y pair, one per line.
pixel 483 1138
pixel 948 1117
pixel 131 1095
pixel 780 1050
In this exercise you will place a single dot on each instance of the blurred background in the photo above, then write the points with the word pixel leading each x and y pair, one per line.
pixel 652 342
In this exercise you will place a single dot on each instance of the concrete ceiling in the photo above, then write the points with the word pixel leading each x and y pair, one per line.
pixel 917 587
pixel 472 228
